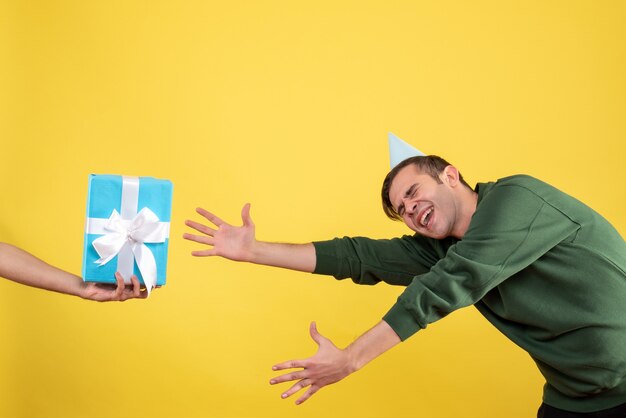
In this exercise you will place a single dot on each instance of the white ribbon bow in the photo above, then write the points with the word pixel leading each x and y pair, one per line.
pixel 127 237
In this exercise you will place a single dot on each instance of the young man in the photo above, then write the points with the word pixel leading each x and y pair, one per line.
pixel 22 267
pixel 542 267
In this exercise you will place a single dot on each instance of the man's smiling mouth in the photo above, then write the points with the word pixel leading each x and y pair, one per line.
pixel 426 216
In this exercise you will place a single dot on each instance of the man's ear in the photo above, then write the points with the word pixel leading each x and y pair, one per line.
pixel 450 175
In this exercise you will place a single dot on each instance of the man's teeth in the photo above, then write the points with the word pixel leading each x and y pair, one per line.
pixel 426 217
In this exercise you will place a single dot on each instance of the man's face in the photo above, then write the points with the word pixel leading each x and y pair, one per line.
pixel 426 206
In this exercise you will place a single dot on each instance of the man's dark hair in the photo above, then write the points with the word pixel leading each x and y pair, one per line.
pixel 427 164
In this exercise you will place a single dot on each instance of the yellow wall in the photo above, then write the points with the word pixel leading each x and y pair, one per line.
pixel 286 105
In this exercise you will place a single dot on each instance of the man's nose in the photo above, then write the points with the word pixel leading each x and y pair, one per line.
pixel 410 205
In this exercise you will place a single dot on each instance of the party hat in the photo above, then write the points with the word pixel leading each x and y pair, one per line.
pixel 400 150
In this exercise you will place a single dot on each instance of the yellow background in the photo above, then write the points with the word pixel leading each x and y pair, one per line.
pixel 286 105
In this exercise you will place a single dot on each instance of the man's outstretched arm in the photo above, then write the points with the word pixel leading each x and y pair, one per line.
pixel 239 243
pixel 331 364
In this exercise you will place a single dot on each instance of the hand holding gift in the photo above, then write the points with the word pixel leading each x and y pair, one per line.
pixel 103 292
pixel 22 267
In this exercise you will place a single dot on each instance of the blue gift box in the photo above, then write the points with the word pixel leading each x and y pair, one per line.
pixel 125 214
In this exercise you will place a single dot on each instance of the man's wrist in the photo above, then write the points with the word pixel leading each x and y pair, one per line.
pixel 355 363
pixel 256 252
pixel 371 344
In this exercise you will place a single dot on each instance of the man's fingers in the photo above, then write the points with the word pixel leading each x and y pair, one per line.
pixel 202 239
pixel 289 377
pixel 296 387
pixel 291 364
pixel 212 218
pixel 204 253
pixel 312 390
pixel 245 215
pixel 314 333
pixel 200 227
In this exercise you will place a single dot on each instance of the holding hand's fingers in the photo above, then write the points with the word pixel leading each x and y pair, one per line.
pixel 136 287
pixel 119 291
pixel 134 291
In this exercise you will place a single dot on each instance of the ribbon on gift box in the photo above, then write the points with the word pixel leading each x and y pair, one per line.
pixel 124 235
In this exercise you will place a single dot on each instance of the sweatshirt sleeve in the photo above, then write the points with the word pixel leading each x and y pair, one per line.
pixel 369 261
pixel 511 228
